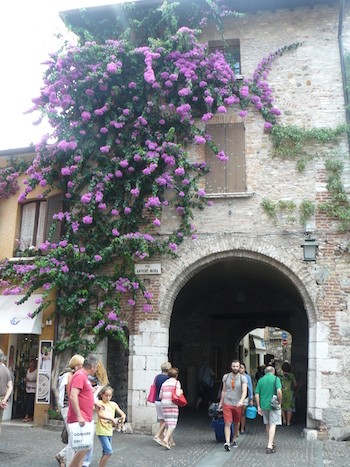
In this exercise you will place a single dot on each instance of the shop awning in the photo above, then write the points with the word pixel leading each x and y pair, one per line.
pixel 259 343
pixel 14 318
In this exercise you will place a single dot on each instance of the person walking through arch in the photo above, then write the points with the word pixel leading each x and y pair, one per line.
pixel 159 380
pixel 206 384
pixel 289 386
pixel 233 394
pixel 249 400
pixel 267 386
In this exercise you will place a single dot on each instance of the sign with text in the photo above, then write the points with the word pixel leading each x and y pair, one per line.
pixel 44 372
pixel 148 268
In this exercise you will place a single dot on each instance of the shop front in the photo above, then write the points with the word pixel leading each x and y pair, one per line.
pixel 23 338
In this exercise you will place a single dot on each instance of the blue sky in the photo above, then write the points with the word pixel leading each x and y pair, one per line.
pixel 27 36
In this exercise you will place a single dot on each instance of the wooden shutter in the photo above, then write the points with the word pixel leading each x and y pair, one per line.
pixel 235 149
pixel 216 178
pixel 230 176
pixel 54 206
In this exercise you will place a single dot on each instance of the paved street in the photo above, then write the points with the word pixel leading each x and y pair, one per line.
pixel 22 446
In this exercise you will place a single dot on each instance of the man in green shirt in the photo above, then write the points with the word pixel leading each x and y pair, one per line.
pixel 268 386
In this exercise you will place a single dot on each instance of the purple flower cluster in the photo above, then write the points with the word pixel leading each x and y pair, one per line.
pixel 8 182
pixel 123 119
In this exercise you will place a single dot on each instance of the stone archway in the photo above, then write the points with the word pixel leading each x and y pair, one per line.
pixel 149 345
pixel 205 258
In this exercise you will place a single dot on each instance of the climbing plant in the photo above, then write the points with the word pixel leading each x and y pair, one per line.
pixel 123 116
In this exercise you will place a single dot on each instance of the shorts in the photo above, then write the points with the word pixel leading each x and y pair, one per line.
pixel 232 413
pixel 159 410
pixel 272 417
pixel 106 442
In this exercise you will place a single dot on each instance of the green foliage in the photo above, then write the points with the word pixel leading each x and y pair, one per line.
pixel 307 210
pixel 339 206
pixel 293 142
pixel 269 207
pixel 286 205
pixel 54 414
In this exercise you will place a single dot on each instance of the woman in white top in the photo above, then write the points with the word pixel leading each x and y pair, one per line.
pixel 30 390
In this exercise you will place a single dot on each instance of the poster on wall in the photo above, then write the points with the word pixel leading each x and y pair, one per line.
pixel 44 372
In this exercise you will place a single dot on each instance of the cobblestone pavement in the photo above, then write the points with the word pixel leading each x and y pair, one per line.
pixel 23 446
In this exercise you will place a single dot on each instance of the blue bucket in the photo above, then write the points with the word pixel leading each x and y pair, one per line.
pixel 251 412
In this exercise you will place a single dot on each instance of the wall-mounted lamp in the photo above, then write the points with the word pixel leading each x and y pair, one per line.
pixel 48 322
pixel 310 247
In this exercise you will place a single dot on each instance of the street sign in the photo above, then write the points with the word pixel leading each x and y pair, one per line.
pixel 284 342
pixel 284 335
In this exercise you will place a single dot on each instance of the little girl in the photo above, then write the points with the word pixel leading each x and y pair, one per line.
pixel 106 421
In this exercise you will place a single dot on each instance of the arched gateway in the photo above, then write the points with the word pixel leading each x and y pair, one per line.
pixel 216 291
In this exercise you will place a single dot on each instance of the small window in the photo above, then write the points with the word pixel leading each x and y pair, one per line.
pixel 230 176
pixel 231 50
pixel 36 221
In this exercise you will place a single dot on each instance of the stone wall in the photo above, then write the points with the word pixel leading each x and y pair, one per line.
pixel 307 86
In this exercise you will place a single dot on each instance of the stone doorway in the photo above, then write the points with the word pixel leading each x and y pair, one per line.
pixel 222 302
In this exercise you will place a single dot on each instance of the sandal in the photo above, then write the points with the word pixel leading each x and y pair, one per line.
pixel 60 460
pixel 270 450
pixel 164 444
pixel 157 440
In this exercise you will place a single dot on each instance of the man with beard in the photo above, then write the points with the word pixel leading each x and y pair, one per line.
pixel 234 391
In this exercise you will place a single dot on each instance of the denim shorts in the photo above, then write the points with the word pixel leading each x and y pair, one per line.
pixel 106 442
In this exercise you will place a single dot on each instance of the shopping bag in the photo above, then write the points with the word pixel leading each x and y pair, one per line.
pixel 181 401
pixel 152 393
pixel 81 438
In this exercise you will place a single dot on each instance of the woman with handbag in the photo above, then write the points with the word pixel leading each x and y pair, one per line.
pixel 170 409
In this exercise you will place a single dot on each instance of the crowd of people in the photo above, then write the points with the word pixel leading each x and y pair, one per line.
pixel 84 390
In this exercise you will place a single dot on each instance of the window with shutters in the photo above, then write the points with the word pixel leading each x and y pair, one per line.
pixel 231 50
pixel 230 176
pixel 37 222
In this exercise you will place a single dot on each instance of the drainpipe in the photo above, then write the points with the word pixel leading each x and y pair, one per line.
pixel 342 62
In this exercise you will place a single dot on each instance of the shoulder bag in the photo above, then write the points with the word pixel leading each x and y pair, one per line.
pixel 275 405
pixel 181 401
pixel 152 393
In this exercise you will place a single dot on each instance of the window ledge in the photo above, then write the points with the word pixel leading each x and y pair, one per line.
pixel 243 194
pixel 16 259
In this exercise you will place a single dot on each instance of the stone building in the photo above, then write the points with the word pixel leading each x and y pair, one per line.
pixel 245 270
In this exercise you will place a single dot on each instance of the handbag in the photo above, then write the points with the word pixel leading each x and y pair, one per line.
pixel 251 412
pixel 213 410
pixel 64 435
pixel 152 393
pixel 180 401
pixel 81 438
pixel 275 405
